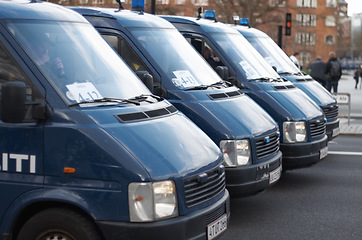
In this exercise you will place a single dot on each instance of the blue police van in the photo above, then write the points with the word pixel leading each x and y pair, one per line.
pixel 301 121
pixel 247 136
pixel 87 151
pixel 277 58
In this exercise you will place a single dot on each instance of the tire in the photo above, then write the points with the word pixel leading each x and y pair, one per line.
pixel 58 223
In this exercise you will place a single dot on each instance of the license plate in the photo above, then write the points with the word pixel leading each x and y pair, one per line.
pixel 335 132
pixel 275 175
pixel 323 152
pixel 217 227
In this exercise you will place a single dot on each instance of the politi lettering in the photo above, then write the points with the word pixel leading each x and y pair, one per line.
pixel 19 161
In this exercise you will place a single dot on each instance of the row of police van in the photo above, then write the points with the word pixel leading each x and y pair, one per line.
pixel 153 144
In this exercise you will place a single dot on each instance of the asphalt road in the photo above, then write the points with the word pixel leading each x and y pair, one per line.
pixel 320 202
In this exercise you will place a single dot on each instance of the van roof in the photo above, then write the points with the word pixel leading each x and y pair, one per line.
pixel 206 24
pixel 25 9
pixel 126 17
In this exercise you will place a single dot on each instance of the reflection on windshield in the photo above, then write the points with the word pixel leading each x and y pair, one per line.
pixel 273 54
pixel 176 57
pixel 243 56
pixel 76 61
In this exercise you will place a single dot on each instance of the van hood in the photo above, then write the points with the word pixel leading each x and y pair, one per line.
pixel 313 89
pixel 166 146
pixel 223 118
pixel 286 102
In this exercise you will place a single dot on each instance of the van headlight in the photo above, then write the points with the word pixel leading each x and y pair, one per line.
pixel 151 201
pixel 236 152
pixel 294 132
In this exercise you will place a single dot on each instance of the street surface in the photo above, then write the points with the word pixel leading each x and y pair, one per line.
pixel 319 202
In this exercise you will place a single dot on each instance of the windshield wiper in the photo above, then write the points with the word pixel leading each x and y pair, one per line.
pixel 262 79
pixel 107 99
pixel 146 96
pixel 202 87
pixel 285 73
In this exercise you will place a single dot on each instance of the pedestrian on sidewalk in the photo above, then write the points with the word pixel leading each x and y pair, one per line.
pixel 295 59
pixel 333 72
pixel 356 76
pixel 317 71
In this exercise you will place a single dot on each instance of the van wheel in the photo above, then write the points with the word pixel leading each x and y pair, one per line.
pixel 58 224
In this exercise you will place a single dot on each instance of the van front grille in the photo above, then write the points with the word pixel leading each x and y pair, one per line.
pixel 205 186
pixel 267 145
pixel 331 112
pixel 317 128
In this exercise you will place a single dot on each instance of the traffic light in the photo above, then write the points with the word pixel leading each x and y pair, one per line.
pixel 288 24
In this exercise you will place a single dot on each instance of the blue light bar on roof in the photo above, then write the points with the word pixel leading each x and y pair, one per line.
pixel 210 14
pixel 138 5
pixel 244 21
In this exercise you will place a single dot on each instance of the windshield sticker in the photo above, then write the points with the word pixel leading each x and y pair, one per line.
pixel 184 79
pixel 82 92
pixel 249 70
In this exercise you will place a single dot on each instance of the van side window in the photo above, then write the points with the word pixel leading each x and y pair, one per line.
pixel 9 71
pixel 127 54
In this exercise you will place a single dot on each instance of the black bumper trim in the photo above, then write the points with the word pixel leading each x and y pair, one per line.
pixel 191 226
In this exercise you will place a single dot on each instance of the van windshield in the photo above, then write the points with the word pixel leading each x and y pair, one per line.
pixel 273 54
pixel 176 57
pixel 244 57
pixel 76 61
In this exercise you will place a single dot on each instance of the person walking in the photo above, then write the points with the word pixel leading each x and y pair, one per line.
pixel 333 72
pixel 317 71
pixel 356 76
pixel 295 59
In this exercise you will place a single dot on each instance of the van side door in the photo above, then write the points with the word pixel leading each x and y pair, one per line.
pixel 21 144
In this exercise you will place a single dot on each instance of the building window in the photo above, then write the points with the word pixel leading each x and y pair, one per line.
pixel 307 3
pixel 277 3
pixel 83 2
pixel 330 21
pixel 331 3
pixel 180 2
pixel 305 58
pixel 306 20
pixel 329 40
pixel 97 2
pixel 163 2
pixel 200 2
pixel 305 38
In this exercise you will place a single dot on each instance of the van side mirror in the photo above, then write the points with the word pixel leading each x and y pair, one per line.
pixel 223 72
pixel 146 78
pixel 13 104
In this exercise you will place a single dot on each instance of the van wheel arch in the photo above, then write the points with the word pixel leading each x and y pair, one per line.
pixel 54 208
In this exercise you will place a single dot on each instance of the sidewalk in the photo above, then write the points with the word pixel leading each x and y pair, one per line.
pixel 347 85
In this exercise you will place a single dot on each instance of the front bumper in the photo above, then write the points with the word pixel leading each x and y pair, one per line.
pixel 298 155
pixel 192 226
pixel 249 180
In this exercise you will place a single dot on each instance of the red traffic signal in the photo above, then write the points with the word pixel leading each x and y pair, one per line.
pixel 288 24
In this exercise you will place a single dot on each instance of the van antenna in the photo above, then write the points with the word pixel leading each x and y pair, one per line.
pixel 120 7
pixel 199 11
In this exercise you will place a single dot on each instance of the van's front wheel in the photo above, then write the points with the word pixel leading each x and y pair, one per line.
pixel 58 223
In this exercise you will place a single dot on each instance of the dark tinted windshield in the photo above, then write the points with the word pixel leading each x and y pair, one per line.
pixel 76 60
pixel 176 57
pixel 243 56
pixel 273 54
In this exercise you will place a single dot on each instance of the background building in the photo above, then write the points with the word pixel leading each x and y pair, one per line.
pixel 318 26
